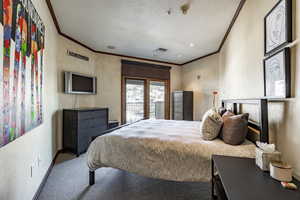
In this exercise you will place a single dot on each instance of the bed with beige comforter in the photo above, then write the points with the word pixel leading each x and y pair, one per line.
pixel 163 149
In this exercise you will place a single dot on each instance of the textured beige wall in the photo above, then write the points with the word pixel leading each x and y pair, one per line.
pixel 241 74
pixel 107 68
pixel 17 157
pixel 176 83
pixel 208 70
pixel 68 63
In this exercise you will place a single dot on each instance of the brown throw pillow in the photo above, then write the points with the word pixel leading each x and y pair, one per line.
pixel 227 114
pixel 235 128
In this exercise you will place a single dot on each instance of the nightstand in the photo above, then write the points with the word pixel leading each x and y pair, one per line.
pixel 241 179
pixel 113 124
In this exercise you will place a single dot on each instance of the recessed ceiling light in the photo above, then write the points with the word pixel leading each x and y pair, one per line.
pixel 111 47
pixel 192 44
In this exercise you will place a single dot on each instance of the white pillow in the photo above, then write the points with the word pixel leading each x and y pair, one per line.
pixel 211 124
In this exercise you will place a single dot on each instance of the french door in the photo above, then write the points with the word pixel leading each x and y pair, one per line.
pixel 135 104
pixel 145 99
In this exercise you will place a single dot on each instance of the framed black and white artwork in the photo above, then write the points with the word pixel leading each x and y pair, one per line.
pixel 277 75
pixel 278 26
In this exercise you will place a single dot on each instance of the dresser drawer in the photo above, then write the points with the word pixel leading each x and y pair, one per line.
pixel 177 95
pixel 92 114
pixel 92 132
pixel 178 116
pixel 85 138
pixel 178 107
pixel 92 123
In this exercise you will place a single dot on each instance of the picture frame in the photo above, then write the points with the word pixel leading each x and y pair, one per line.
pixel 277 75
pixel 22 102
pixel 278 27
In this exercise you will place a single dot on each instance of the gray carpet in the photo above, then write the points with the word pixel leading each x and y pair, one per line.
pixel 69 181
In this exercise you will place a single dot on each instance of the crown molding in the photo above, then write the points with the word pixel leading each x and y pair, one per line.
pixel 207 55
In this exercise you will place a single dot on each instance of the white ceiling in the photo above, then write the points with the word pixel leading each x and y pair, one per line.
pixel 138 27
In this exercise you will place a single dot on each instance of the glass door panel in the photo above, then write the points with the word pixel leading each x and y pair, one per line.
pixel 135 100
pixel 157 98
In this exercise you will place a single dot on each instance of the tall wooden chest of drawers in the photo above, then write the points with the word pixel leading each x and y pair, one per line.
pixel 182 105
pixel 80 125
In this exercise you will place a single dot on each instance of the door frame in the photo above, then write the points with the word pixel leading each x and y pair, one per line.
pixel 146 96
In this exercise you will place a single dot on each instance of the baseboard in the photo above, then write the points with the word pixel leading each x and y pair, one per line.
pixel 38 192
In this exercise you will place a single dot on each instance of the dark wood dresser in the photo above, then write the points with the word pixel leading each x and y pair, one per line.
pixel 183 105
pixel 80 125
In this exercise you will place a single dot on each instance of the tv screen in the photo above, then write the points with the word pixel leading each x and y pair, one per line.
pixel 82 84
pixel 79 84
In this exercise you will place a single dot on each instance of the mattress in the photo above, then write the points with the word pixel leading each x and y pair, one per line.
pixel 163 149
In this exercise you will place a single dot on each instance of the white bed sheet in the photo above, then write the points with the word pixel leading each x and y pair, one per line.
pixel 163 149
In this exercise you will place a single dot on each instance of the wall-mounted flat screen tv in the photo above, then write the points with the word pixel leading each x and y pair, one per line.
pixel 76 83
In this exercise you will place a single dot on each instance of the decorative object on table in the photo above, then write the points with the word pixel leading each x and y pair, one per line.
pixel 21 82
pixel 289 186
pixel 281 171
pixel 185 7
pixel 277 75
pixel 278 26
pixel 265 154
pixel 215 93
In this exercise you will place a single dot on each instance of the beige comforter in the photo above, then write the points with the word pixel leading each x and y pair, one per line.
pixel 170 150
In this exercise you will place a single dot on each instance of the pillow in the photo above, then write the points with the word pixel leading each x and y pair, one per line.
pixel 222 110
pixel 235 128
pixel 227 114
pixel 211 125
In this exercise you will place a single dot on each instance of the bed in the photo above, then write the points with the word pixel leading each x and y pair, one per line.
pixel 171 150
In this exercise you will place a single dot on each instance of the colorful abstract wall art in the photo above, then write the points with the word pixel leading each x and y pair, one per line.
pixel 22 42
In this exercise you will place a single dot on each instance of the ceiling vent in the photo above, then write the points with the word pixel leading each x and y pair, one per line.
pixel 111 47
pixel 159 52
pixel 78 56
